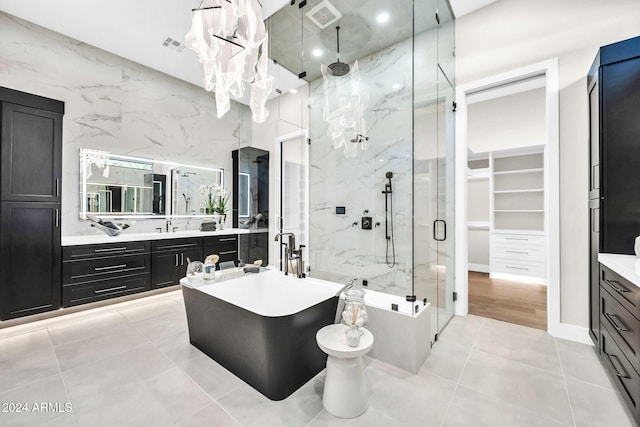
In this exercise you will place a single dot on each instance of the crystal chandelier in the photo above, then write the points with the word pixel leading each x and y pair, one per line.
pixel 230 40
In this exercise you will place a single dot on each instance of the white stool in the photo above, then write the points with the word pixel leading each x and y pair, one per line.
pixel 345 388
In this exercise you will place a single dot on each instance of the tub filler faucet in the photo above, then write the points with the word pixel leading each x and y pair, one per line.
pixel 292 254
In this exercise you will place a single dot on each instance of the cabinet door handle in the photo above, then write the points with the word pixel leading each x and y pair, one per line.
pixel 57 218
pixel 231 239
pixel 618 288
pixel 110 289
pixel 110 267
pixel 227 252
pixel 182 259
pixel 617 371
pixel 109 250
pixel 176 260
pixel 609 316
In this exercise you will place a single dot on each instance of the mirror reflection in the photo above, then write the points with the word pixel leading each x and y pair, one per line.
pixel 113 184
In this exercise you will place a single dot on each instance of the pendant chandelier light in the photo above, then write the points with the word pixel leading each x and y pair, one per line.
pixel 230 40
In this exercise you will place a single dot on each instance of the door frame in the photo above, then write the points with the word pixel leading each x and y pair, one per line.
pixel 549 69
pixel 304 134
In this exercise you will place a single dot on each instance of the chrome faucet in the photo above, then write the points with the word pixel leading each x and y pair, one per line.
pixel 291 253
pixel 168 223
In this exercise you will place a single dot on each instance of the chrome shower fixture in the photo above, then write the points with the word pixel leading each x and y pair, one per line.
pixel 359 138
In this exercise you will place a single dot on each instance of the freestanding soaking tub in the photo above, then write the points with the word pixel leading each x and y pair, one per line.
pixel 262 327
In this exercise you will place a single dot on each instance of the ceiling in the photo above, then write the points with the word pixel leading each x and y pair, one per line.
pixel 136 30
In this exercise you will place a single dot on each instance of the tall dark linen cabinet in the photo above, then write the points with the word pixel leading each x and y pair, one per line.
pixel 30 202
pixel 614 208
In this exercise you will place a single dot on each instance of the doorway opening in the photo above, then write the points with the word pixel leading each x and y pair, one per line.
pixel 507 187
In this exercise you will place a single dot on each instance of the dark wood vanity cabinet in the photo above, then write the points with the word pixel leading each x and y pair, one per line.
pixel 29 259
pixel 169 260
pixel 96 272
pixel 30 194
pixel 613 88
pixel 226 247
pixel 619 339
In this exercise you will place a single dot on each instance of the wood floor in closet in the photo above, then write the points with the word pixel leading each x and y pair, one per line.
pixel 514 302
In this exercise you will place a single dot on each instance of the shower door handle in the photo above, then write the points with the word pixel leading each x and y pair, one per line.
pixel 435 226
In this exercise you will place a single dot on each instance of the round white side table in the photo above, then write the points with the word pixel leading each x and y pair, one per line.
pixel 345 388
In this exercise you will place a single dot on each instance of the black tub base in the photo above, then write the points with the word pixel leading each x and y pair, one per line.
pixel 274 355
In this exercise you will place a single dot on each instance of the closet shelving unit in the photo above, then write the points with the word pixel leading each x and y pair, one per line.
pixel 517 212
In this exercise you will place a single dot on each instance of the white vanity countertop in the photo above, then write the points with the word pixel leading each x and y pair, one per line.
pixel 628 266
pixel 136 237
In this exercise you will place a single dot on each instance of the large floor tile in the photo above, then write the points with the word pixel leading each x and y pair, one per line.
pixel 407 398
pixel 531 346
pixel 463 330
pixel 519 384
pixel 26 359
pixel 251 408
pixel 149 310
pixel 86 327
pixel 447 359
pixel 160 328
pixel 44 403
pixel 212 377
pixel 470 408
pixel 579 361
pixel 97 347
pixel 212 415
pixel 371 418
pixel 595 406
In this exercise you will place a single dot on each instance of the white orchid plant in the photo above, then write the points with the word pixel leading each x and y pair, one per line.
pixel 216 199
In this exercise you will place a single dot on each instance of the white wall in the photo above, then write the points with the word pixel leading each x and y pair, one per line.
pixel 116 105
pixel 509 34
pixel 511 121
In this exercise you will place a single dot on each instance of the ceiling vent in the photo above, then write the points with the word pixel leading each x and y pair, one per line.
pixel 324 14
pixel 173 44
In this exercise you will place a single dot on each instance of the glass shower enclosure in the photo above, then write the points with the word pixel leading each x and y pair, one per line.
pixel 377 118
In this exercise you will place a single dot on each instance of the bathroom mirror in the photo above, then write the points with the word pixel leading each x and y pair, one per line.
pixel 125 186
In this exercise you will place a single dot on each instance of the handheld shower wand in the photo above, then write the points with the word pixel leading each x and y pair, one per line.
pixel 388 221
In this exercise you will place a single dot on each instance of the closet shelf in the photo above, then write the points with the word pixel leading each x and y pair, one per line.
pixel 518 171
pixel 533 190
pixel 519 210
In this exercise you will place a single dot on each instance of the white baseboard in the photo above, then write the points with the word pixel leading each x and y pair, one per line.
pixel 480 268
pixel 572 333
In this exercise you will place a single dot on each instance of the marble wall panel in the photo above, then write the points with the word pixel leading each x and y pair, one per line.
pixel 116 105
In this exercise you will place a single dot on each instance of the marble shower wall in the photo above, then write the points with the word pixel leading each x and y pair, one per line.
pixel 119 106
pixel 339 249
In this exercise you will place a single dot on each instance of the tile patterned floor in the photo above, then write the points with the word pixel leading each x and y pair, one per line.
pixel 131 364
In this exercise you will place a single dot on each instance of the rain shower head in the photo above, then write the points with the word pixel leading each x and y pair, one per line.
pixel 338 69
pixel 389 175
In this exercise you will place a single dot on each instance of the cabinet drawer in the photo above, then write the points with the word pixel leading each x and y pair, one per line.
pixel 93 251
pixel 102 268
pixel 518 239
pixel 518 252
pixel 226 240
pixel 83 293
pixel 518 267
pixel 625 329
pixel 625 377
pixel 176 244
pixel 622 290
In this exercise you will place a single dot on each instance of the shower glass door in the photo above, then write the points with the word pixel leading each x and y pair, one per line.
pixel 293 192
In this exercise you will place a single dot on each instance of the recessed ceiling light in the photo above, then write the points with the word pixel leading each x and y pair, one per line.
pixel 293 91
pixel 382 17
pixel 395 86
pixel 316 52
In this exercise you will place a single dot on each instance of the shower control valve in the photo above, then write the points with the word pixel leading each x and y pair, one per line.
pixel 367 223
